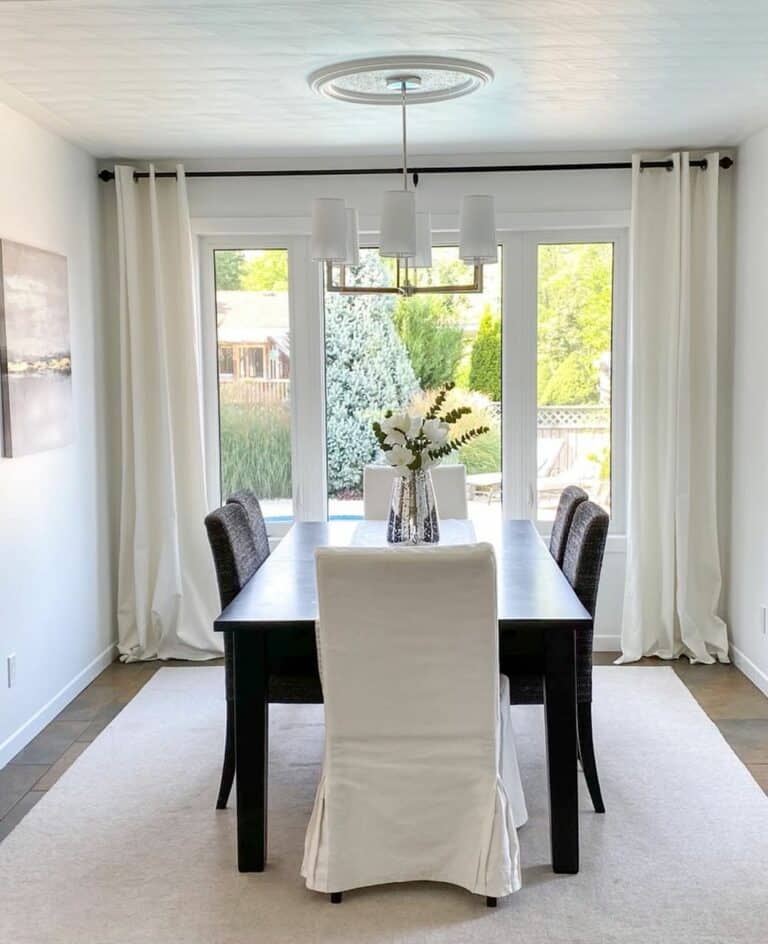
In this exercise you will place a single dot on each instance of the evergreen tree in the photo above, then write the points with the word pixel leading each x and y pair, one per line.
pixel 575 287
pixel 485 359
pixel 430 329
pixel 230 269
pixel 367 371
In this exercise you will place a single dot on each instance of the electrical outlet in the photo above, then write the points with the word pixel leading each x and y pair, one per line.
pixel 764 620
pixel 11 665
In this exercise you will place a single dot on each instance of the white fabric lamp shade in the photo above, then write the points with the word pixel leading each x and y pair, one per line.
pixel 352 256
pixel 398 225
pixel 329 229
pixel 478 242
pixel 423 257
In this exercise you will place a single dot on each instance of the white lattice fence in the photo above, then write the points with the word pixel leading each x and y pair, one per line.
pixel 565 417
pixel 574 417
pixel 584 431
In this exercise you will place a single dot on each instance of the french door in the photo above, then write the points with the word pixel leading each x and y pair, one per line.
pixel 286 394
pixel 261 336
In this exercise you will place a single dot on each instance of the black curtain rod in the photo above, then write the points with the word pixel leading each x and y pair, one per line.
pixel 725 163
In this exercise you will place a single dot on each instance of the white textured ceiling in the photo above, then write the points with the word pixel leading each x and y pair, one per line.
pixel 184 78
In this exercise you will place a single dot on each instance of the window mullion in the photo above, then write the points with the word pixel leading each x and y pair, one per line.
pixel 308 384
pixel 517 382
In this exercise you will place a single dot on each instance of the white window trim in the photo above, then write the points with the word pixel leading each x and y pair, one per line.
pixel 519 235
pixel 307 373
pixel 619 369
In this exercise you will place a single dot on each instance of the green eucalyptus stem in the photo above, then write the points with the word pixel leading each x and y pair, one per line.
pixel 420 445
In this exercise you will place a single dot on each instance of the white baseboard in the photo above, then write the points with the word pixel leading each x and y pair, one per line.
pixel 606 643
pixel 748 667
pixel 30 729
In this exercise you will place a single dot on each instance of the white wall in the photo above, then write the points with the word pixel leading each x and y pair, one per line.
pixel 55 586
pixel 523 200
pixel 748 584
pixel 534 193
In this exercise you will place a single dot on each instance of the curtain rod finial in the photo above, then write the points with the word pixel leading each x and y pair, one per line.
pixel 106 175
pixel 726 162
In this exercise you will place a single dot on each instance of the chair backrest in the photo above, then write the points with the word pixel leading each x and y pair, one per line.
pixel 235 556
pixel 252 508
pixel 584 550
pixel 570 499
pixel 450 484
pixel 408 645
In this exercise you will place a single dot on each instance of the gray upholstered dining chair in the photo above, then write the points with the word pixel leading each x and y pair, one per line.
pixel 236 559
pixel 252 508
pixel 582 563
pixel 570 499
pixel 239 544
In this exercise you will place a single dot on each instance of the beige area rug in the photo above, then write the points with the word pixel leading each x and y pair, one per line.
pixel 127 846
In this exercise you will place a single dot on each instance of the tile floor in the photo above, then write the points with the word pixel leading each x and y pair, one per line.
pixel 738 708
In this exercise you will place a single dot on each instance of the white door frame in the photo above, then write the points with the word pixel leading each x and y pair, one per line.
pixel 307 370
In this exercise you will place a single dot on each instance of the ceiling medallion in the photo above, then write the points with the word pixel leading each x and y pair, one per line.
pixel 368 81
pixel 405 234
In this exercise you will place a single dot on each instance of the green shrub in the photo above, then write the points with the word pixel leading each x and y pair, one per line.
pixel 485 360
pixel 256 450
pixel 429 327
pixel 367 371
pixel 575 290
pixel 484 453
pixel 572 381
pixel 230 267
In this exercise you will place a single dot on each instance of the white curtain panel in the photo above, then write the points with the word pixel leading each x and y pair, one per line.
pixel 166 585
pixel 673 581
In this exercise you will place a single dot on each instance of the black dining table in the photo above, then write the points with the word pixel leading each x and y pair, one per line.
pixel 272 622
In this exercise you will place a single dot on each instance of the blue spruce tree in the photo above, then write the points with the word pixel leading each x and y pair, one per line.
pixel 367 371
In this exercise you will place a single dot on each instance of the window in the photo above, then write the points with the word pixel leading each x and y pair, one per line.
pixel 383 352
pixel 252 361
pixel 226 361
pixel 294 375
pixel 254 379
pixel 573 372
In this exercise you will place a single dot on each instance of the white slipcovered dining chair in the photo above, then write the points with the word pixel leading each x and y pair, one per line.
pixel 450 483
pixel 420 780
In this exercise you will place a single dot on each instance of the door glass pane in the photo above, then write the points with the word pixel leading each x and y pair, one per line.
pixel 254 357
pixel 384 351
pixel 575 304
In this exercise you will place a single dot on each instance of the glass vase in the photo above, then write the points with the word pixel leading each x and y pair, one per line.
pixel 413 511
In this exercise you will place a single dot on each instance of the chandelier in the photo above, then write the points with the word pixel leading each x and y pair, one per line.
pixel 405 232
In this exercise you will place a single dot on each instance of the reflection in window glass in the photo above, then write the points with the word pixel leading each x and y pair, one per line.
pixel 575 303
pixel 383 352
pixel 254 357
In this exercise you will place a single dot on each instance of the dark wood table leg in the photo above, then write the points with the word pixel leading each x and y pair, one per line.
pixel 251 748
pixel 562 748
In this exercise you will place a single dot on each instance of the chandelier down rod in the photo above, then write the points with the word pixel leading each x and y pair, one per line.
pixel 725 163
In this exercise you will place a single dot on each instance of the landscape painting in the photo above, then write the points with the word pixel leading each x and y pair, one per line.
pixel 35 357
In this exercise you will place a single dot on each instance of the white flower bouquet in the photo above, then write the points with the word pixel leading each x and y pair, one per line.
pixel 414 442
